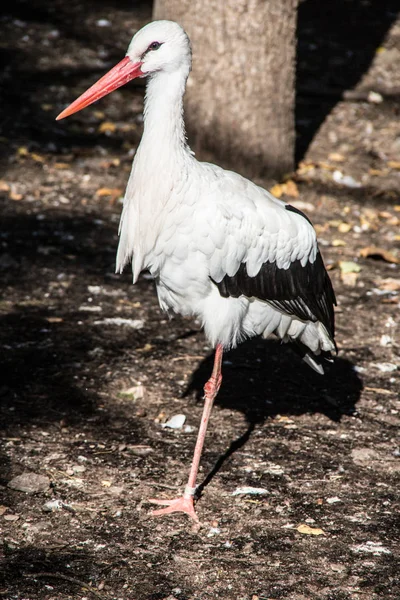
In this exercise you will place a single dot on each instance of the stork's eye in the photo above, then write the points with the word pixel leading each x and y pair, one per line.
pixel 154 46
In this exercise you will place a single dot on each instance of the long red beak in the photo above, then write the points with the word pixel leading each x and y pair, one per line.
pixel 118 76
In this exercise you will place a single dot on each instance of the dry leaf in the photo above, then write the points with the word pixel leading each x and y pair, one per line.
pixel 54 319
pixel 348 266
pixel 289 189
pixel 326 166
pixel 107 127
pixel 145 348
pixel 337 243
pixel 344 227
pixel 106 483
pixel 336 157
pixel 283 419
pixel 277 190
pixel 394 164
pixel 331 266
pixel 379 253
pixel 321 228
pixel 306 206
pixel 307 530
pixel 113 193
pixel 390 284
pixel 4 187
pixel 349 272
pixel 114 162
pixel 37 157
pixel 377 172
pixel 349 279
pixel 61 165
pixel 108 192
pixel 334 223
pixel 15 196
pixel 378 390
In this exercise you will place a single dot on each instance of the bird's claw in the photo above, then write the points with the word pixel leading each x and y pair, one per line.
pixel 182 504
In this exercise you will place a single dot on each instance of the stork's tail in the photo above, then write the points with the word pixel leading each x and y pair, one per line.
pixel 313 360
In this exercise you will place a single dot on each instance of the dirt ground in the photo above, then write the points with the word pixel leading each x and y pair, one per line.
pixel 83 399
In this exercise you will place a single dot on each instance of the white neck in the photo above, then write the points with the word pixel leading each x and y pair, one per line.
pixel 164 138
pixel 162 161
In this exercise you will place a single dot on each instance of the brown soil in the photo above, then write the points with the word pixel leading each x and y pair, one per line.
pixel 326 449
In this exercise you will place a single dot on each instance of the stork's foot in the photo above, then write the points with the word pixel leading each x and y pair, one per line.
pixel 182 504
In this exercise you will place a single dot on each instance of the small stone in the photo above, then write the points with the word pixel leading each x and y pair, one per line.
pixel 52 505
pixel 137 391
pixel 103 23
pixel 140 450
pixel 375 97
pixel 385 340
pixel 11 517
pixel 175 422
pixel 333 500
pixel 30 483
pixel 386 367
pixel 346 180
pixel 371 548
pixel 120 322
pixel 249 490
pixel 78 469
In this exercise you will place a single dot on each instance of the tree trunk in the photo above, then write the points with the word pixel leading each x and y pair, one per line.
pixel 241 94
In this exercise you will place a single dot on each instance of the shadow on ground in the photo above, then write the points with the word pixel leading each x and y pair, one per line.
pixel 336 45
pixel 264 379
pixel 56 360
pixel 61 570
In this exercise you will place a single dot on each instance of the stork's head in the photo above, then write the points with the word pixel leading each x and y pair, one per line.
pixel 159 46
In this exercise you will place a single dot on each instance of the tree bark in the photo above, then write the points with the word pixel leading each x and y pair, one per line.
pixel 241 93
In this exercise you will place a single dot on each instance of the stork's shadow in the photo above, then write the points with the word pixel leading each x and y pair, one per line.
pixel 263 379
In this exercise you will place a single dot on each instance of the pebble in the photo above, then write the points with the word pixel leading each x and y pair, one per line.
pixel 346 180
pixel 103 23
pixel 175 422
pixel 333 500
pixel 375 97
pixel 386 367
pixel 371 548
pixel 119 322
pixel 52 505
pixel 30 483
pixel 250 490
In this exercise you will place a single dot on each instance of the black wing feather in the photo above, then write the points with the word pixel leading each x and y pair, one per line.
pixel 303 291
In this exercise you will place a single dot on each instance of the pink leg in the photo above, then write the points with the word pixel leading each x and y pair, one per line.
pixel 186 502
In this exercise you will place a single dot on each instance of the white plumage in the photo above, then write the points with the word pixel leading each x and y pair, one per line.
pixel 219 247
pixel 192 223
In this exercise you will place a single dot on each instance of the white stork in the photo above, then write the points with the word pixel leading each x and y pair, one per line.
pixel 218 246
